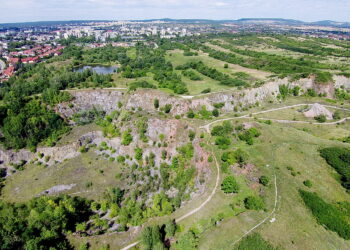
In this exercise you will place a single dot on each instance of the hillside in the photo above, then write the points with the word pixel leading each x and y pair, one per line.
pixel 212 142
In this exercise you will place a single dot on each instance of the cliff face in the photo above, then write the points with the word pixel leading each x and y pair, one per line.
pixel 107 100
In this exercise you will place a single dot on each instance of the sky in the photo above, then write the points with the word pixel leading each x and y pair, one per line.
pixel 53 10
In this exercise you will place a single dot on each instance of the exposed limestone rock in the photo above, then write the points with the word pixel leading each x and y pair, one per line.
pixel 341 81
pixel 317 110
pixel 105 100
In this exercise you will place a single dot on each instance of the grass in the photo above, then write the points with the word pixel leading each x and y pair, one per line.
pixel 86 168
pixel 279 147
pixel 176 57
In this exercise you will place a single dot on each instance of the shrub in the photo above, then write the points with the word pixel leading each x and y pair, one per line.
pixel 167 108
pixel 264 180
pixel 254 241
pixel 191 135
pixel 248 135
pixel 141 84
pixel 308 183
pixel 222 142
pixel 126 138
pixel 219 105
pixel 205 91
pixel 190 114
pixel 254 203
pixel 229 185
pixel 321 118
pixel 311 92
pixel 336 115
pixel 215 112
pixel 156 103
pixel 229 157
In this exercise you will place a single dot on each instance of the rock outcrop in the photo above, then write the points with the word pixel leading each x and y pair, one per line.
pixel 107 100
pixel 317 110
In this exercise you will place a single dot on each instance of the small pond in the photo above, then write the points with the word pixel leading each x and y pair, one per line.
pixel 104 70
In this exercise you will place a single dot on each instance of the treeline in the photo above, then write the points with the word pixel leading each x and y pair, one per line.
pixel 282 65
pixel 328 215
pixel 153 60
pixel 339 159
pixel 212 73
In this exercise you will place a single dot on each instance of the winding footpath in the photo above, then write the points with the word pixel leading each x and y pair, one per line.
pixel 265 219
pixel 249 116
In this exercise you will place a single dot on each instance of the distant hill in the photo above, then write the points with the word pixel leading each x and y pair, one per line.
pixel 278 21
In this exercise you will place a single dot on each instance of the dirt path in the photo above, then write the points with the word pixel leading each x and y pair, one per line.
pixel 248 116
pixel 193 211
pixel 265 219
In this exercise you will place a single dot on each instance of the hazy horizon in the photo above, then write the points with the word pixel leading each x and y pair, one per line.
pixel 68 10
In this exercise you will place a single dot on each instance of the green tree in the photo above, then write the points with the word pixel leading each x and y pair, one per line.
pixel 229 185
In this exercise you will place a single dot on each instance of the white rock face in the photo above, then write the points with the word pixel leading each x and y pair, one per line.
pixel 144 98
pixel 317 110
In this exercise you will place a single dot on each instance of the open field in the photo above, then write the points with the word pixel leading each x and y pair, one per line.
pixel 91 174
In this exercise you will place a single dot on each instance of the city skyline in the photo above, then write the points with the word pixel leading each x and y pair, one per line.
pixel 54 10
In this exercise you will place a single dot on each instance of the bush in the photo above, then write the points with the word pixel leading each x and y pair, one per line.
pixel 223 142
pixel 336 115
pixel 254 203
pixel 141 84
pixel 167 108
pixel 248 135
pixel 264 180
pixel 254 242
pixel 126 138
pixel 190 114
pixel 229 157
pixel 321 118
pixel 215 112
pixel 229 185
pixel 205 91
pixel 323 77
pixel 308 183
pixel 327 214
pixel 156 103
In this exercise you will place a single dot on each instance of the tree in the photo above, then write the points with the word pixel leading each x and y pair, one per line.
pixel 229 185
pixel 215 112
